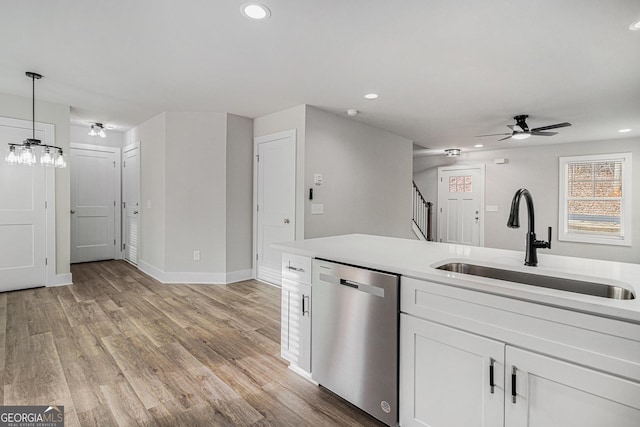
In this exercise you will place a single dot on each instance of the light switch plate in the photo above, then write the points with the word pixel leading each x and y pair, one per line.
pixel 492 208
pixel 317 209
pixel 317 179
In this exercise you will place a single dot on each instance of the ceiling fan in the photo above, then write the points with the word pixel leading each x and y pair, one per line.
pixel 521 130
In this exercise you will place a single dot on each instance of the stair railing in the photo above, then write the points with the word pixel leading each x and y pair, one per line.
pixel 422 213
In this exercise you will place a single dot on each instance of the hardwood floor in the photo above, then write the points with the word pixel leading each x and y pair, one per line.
pixel 120 349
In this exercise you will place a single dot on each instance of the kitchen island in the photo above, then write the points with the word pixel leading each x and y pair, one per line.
pixel 480 351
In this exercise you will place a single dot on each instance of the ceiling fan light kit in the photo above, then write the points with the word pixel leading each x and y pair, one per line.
pixel 452 152
pixel 24 153
pixel 521 130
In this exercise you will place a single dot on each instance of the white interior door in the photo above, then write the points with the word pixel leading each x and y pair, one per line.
pixel 93 203
pixel 276 201
pixel 23 213
pixel 460 201
pixel 131 201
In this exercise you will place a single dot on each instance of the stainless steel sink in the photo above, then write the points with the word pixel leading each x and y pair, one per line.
pixel 578 286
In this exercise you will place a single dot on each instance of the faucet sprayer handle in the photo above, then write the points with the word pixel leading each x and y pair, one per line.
pixel 549 238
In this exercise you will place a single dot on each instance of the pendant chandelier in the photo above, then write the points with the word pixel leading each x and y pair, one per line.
pixel 27 152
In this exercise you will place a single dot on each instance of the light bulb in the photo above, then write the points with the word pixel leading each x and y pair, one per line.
pixel 60 160
pixel 47 159
pixel 27 157
pixel 13 157
pixel 102 133
pixel 93 132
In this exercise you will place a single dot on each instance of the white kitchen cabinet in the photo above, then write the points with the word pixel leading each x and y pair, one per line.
pixel 445 381
pixel 446 377
pixel 571 369
pixel 554 393
pixel 295 342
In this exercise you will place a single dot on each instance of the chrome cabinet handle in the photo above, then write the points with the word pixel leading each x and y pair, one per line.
pixel 305 308
pixel 295 268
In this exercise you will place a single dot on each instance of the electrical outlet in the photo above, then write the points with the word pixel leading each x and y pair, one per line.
pixel 196 255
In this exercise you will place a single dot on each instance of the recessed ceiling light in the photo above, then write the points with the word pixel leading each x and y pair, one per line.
pixel 635 26
pixel 479 145
pixel 371 96
pixel 255 11
pixel 624 130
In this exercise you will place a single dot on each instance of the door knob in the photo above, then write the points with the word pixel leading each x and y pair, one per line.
pixel 72 211
pixel 135 212
pixel 286 221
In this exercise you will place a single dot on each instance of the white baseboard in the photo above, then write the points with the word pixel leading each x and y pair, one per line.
pixel 194 278
pixel 61 280
pixel 239 276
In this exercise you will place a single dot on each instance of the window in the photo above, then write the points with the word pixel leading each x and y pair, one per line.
pixel 595 199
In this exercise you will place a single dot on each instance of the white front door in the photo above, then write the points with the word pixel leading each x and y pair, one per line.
pixel 276 201
pixel 93 204
pixel 23 212
pixel 131 201
pixel 460 201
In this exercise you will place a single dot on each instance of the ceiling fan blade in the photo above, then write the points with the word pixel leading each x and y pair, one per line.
pixel 556 126
pixel 494 134
pixel 505 138
pixel 538 133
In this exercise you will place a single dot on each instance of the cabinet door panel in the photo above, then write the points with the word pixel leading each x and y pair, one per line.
pixel 554 393
pixel 445 377
pixel 296 324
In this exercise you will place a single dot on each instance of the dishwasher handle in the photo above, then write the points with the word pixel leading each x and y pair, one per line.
pixel 346 282
pixel 362 287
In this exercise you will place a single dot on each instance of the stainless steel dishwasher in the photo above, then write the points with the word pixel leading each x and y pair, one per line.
pixel 354 332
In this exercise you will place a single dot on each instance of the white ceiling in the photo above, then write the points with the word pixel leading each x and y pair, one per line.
pixel 445 70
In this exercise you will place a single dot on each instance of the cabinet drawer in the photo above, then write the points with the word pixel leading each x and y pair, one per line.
pixel 296 268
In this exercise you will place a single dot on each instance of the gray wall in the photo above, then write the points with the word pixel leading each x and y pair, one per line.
pixel 367 178
pixel 535 168
pixel 17 107
pixel 196 192
pixel 196 174
pixel 239 232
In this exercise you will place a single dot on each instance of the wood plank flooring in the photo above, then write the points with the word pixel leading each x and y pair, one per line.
pixel 120 349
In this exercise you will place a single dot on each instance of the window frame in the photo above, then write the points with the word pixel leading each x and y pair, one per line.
pixel 625 215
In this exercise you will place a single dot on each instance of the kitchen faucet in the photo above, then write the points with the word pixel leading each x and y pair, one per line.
pixel 530 258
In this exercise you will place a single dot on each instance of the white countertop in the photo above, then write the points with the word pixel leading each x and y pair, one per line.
pixel 417 259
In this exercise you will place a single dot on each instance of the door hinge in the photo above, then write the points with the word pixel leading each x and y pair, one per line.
pixel 124 163
pixel 114 242
pixel 45 204
pixel 258 208
pixel 114 163
pixel 258 157
pixel 46 261
pixel 124 246
pixel 124 205
pixel 114 203
pixel 256 256
pixel 440 210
